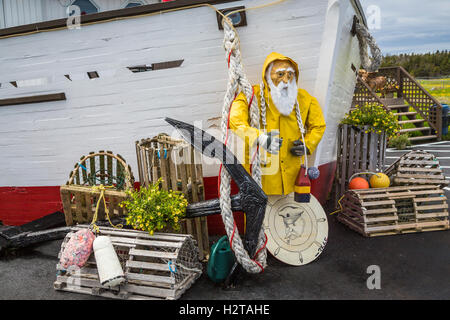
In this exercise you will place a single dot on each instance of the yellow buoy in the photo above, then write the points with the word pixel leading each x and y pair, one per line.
pixel 379 180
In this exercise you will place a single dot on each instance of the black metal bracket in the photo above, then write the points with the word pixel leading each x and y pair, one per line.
pixel 355 21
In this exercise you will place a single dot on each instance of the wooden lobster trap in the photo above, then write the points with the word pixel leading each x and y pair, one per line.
pixel 158 266
pixel 395 210
pixel 416 167
pixel 180 168
pixel 97 173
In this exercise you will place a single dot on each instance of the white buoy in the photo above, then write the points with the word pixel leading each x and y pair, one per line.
pixel 108 264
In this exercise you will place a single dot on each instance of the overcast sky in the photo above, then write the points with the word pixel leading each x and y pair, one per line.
pixel 410 25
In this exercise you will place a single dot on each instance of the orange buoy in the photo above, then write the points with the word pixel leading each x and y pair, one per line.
pixel 379 180
pixel 358 183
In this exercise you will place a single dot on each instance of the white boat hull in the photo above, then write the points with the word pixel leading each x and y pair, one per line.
pixel 41 142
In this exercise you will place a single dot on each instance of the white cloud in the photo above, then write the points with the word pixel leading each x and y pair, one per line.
pixel 412 25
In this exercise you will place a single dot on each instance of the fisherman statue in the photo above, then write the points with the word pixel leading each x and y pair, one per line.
pixel 281 137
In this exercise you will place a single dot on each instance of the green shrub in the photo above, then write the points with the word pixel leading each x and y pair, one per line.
pixel 446 137
pixel 400 141
pixel 375 116
pixel 152 209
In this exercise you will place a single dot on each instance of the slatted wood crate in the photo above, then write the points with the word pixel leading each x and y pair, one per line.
pixel 78 196
pixel 180 167
pixel 416 167
pixel 395 210
pixel 158 266
pixel 357 151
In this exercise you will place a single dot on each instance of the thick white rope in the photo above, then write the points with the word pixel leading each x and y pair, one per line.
pixel 365 39
pixel 302 131
pixel 237 81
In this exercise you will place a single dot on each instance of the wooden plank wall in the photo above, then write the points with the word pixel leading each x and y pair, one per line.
pixel 39 142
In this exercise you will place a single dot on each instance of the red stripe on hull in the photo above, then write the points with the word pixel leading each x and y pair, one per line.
pixel 321 187
pixel 215 223
pixel 20 205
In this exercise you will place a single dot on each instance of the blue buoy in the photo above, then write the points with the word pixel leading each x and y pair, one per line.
pixel 313 173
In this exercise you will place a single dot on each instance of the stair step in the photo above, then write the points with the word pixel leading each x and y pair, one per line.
pixel 411 113
pixel 393 101
pixel 411 121
pixel 398 106
pixel 423 138
pixel 414 129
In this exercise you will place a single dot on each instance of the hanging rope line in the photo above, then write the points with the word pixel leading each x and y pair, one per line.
pixel 237 82
pixel 102 190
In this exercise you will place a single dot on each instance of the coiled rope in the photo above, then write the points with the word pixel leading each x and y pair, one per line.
pixel 365 39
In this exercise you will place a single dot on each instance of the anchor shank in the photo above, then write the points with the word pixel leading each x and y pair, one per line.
pixel 210 207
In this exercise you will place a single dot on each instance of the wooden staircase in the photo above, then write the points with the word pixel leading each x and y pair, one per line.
pixel 419 113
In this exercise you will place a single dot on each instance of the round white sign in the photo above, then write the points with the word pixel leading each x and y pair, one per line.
pixel 296 232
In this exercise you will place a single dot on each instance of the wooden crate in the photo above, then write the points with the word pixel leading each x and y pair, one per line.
pixel 357 151
pixel 416 167
pixel 395 210
pixel 179 165
pixel 78 196
pixel 145 260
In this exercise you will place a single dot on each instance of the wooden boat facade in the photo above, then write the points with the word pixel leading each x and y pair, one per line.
pixel 107 106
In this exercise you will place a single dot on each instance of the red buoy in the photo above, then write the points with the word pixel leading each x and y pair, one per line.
pixel 302 186
pixel 358 183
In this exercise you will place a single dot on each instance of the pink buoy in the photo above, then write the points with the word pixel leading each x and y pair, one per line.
pixel 77 249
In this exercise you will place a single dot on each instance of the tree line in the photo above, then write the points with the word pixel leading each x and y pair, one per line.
pixel 432 64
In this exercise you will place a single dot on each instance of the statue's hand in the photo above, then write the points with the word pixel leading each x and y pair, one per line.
pixel 299 148
pixel 270 141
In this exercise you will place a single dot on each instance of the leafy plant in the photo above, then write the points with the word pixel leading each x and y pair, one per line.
pixel 152 209
pixel 399 142
pixel 391 87
pixel 374 116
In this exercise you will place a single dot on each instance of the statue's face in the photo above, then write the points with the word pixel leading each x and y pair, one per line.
pixel 282 70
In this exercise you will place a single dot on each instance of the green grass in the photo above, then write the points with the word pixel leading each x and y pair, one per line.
pixel 439 88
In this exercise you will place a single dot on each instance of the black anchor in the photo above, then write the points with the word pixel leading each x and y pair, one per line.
pixel 251 199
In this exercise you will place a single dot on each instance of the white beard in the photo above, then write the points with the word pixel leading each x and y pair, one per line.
pixel 284 96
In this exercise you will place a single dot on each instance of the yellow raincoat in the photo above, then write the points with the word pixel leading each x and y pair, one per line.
pixel 278 176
